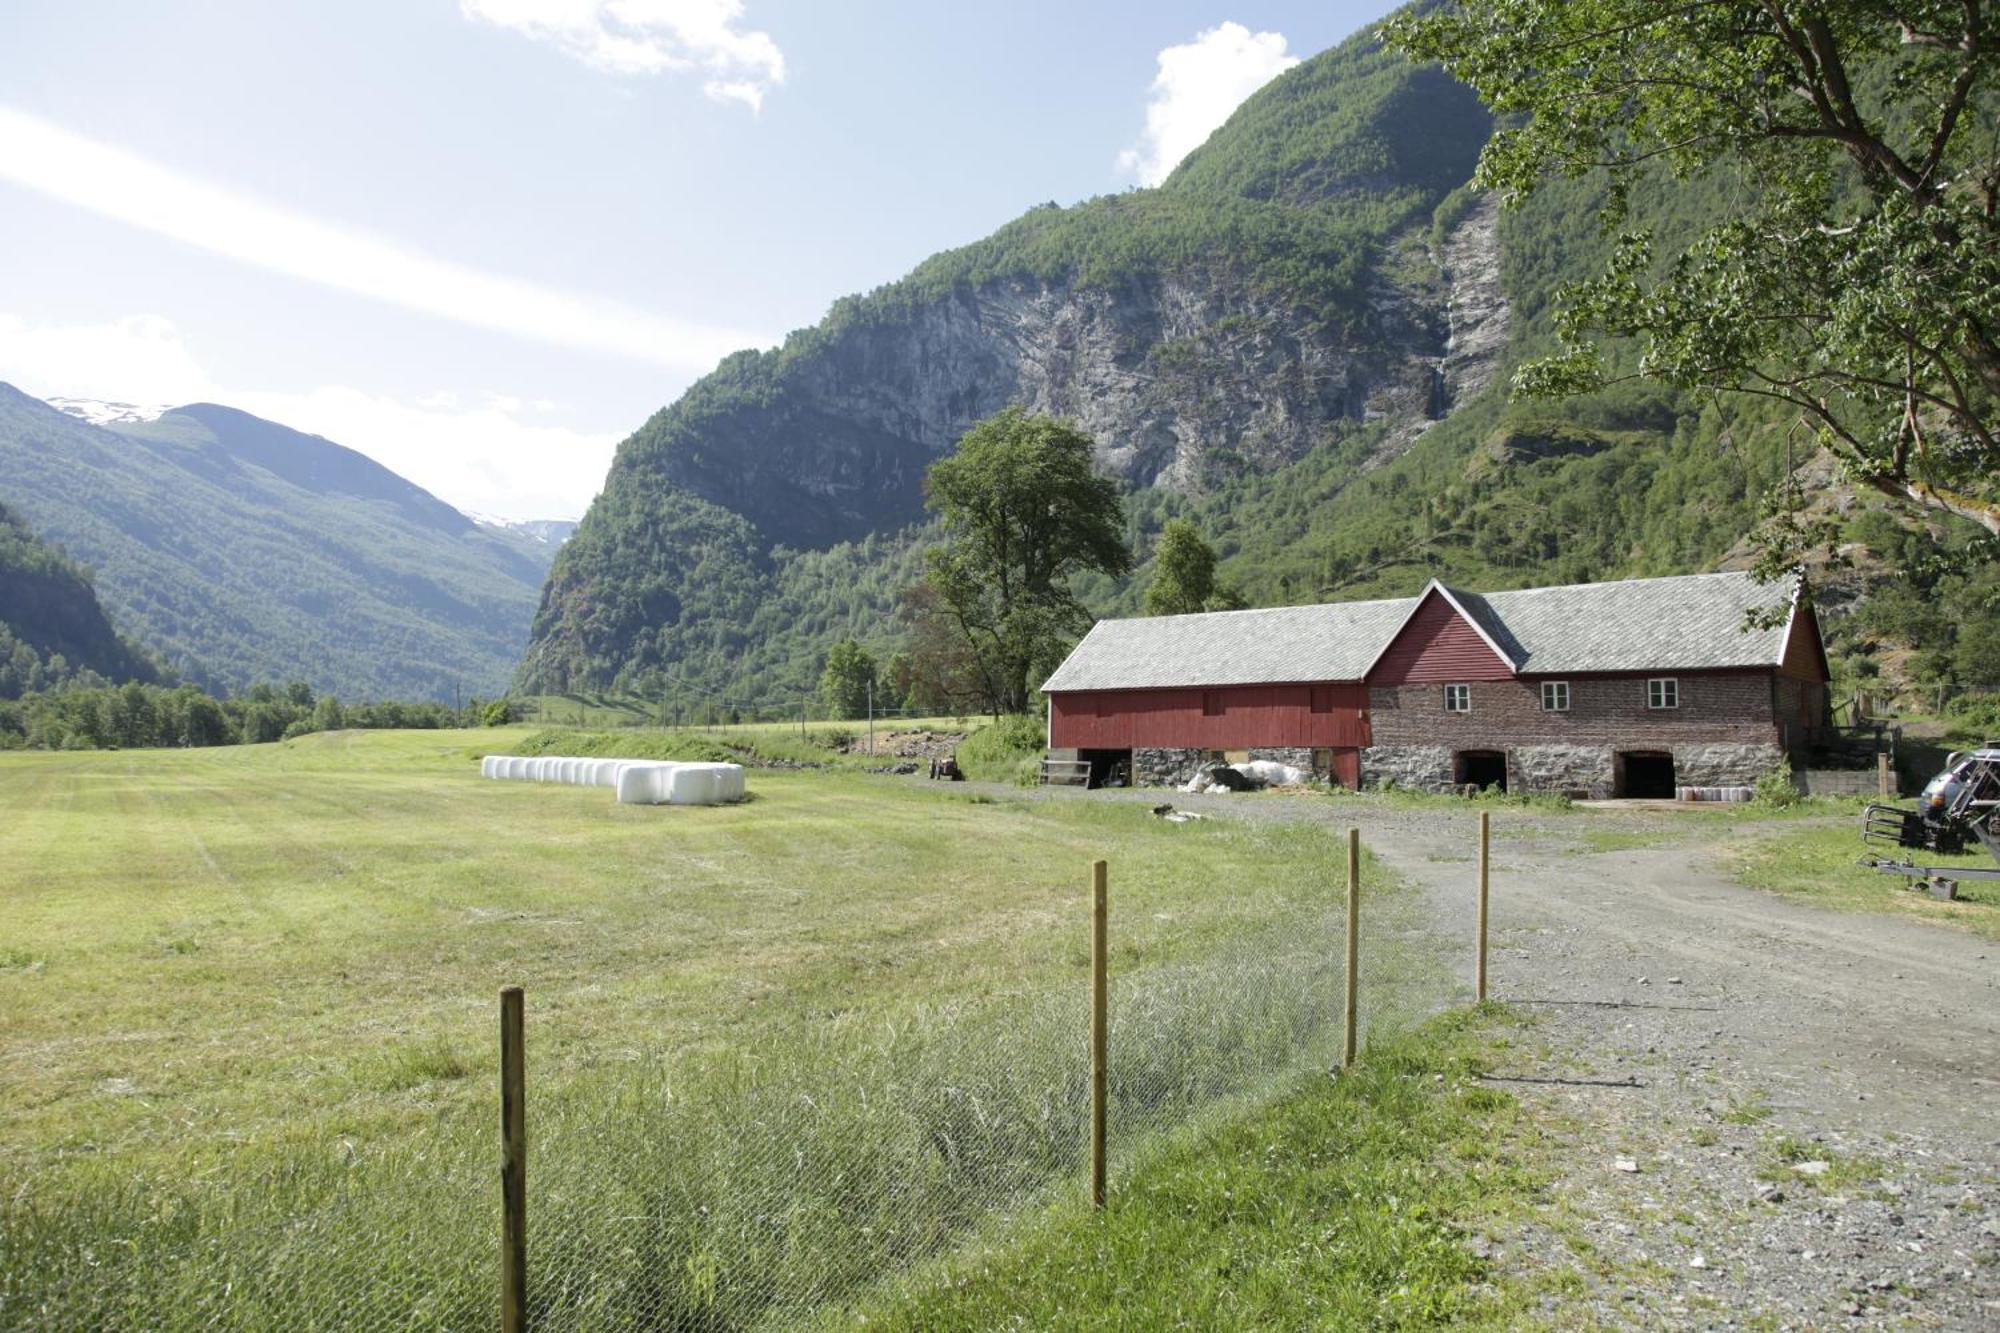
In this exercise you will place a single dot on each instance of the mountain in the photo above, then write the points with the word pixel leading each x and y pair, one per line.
pixel 1302 340
pixel 241 550
pixel 537 538
pixel 51 625
pixel 1236 318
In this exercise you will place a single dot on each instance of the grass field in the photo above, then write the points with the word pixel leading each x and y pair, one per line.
pixel 247 1062
pixel 1820 865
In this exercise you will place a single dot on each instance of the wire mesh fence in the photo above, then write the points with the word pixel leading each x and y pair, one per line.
pixel 755 1180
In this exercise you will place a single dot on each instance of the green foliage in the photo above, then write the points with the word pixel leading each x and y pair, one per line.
pixel 1008 749
pixel 1855 280
pixel 1024 510
pixel 1776 788
pixel 81 716
pixel 846 685
pixel 52 630
pixel 1183 571
pixel 497 714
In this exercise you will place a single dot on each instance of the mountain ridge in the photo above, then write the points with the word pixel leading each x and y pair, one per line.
pixel 242 550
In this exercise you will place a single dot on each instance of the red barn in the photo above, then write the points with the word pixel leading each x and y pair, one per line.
pixel 1626 688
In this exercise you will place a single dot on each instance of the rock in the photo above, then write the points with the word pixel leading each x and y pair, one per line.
pixel 1626 1164
pixel 1699 1261
pixel 1815 1167
pixel 1673 981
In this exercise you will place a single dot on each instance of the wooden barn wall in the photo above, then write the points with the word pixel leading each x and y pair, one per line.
pixel 1438 645
pixel 1253 716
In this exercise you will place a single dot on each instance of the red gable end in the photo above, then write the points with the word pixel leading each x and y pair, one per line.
pixel 1437 644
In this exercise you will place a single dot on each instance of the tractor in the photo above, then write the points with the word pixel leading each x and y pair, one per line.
pixel 1959 806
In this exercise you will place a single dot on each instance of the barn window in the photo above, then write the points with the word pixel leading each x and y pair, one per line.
pixel 1555 696
pixel 1458 698
pixel 1663 692
pixel 1322 698
pixel 1211 703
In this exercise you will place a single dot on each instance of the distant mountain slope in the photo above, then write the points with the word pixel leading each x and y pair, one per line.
pixel 241 550
pixel 1244 314
pixel 51 626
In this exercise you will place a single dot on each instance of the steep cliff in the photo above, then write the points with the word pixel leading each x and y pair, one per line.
pixel 1266 301
pixel 52 628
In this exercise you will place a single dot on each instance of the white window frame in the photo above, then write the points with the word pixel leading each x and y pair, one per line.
pixel 1663 693
pixel 1555 689
pixel 1458 698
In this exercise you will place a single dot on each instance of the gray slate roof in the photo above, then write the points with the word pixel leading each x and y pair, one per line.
pixel 1689 623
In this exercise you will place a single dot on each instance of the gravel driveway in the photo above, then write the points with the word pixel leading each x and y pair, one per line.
pixel 1699 1049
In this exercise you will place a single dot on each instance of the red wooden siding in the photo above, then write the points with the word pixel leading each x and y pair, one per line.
pixel 1805 659
pixel 1438 644
pixel 1252 717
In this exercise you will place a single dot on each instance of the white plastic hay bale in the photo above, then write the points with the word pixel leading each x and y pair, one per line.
pixel 517 769
pixel 486 766
pixel 643 783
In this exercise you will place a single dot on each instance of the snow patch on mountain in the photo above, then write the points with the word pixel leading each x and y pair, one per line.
pixel 100 413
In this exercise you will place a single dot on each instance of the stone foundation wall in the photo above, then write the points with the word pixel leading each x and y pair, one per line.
pixel 1419 766
pixel 1554 768
pixel 1295 756
pixel 1166 768
pixel 1718 765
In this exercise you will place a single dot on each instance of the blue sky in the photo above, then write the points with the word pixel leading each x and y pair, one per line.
pixel 481 240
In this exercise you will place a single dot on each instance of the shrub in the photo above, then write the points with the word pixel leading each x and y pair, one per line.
pixel 1006 750
pixel 1776 787
pixel 496 714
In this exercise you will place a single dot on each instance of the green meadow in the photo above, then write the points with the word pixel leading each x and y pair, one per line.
pixel 777 1050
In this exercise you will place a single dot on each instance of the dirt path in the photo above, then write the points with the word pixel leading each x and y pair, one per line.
pixel 1717 1038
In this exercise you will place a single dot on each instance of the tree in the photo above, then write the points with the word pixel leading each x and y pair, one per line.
pixel 1857 276
pixel 1183 571
pixel 1023 511
pixel 846 683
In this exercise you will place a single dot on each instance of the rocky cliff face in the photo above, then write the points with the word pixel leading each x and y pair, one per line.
pixel 1271 298
pixel 1179 379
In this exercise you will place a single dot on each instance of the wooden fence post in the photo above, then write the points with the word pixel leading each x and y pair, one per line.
pixel 1479 971
pixel 513 1167
pixel 1884 784
pixel 1353 942
pixel 1099 1023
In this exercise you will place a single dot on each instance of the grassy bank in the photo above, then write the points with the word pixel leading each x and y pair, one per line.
pixel 1345 1204
pixel 776 1049
pixel 1818 864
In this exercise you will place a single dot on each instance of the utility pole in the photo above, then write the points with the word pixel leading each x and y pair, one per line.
pixel 871 717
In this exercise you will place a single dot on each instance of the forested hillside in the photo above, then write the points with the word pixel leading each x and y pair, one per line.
pixel 1302 340
pixel 239 551
pixel 52 630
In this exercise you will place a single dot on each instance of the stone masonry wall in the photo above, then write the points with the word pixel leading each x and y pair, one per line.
pixel 1420 766
pixel 1165 768
pixel 1723 733
pixel 1295 756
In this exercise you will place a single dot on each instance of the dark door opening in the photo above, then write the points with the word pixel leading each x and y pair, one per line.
pixel 1108 768
pixel 1480 768
pixel 1645 775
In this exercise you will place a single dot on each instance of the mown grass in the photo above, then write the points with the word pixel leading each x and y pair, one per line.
pixel 776 1050
pixel 1348 1203
pixel 1820 864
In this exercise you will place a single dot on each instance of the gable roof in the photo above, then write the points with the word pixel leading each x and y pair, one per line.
pixel 1277 645
pixel 1687 623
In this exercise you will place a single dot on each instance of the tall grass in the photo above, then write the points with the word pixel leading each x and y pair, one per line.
pixel 709 1188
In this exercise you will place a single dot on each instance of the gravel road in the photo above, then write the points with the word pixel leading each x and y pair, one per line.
pixel 1697 1048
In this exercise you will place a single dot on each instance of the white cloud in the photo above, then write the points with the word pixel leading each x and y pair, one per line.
pixel 651 37
pixel 127 188
pixel 486 458
pixel 1198 85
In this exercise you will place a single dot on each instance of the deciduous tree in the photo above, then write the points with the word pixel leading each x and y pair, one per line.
pixel 1857 278
pixel 1024 510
